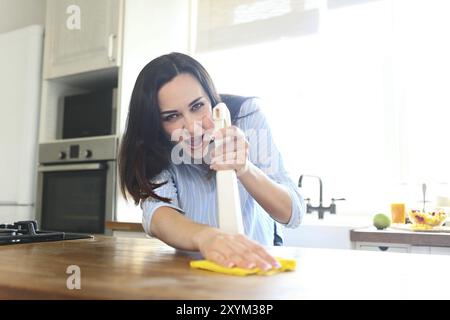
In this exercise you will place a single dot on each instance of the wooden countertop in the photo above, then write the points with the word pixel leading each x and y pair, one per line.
pixel 124 226
pixel 127 268
pixel 390 235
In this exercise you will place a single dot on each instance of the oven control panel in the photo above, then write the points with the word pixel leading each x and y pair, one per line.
pixel 79 150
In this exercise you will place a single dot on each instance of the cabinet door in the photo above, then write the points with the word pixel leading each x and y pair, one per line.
pixel 81 36
pixel 440 250
pixel 420 249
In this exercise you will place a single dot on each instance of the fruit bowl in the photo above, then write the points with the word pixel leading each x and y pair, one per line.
pixel 427 220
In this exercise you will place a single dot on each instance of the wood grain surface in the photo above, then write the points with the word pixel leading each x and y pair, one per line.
pixel 124 226
pixel 126 268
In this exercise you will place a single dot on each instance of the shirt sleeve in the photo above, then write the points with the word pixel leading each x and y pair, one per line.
pixel 264 154
pixel 150 205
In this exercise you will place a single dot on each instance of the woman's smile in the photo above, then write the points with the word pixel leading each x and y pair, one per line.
pixel 195 142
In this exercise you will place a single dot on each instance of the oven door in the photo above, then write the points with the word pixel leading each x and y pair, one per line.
pixel 76 197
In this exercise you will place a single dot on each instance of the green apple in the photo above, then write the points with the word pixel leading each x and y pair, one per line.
pixel 381 221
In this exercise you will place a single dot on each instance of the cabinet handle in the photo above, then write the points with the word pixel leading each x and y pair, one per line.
pixel 111 47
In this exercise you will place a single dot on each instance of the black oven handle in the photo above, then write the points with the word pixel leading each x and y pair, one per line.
pixel 72 167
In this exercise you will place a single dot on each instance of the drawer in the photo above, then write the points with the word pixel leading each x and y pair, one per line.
pixel 383 248
pixel 440 250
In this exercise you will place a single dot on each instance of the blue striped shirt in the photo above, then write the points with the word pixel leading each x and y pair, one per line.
pixel 194 194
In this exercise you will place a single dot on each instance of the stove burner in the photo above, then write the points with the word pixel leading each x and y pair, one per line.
pixel 11 232
pixel 27 231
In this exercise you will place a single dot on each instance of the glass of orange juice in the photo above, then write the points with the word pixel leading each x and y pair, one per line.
pixel 398 212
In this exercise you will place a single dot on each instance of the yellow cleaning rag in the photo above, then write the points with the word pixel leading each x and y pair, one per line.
pixel 286 265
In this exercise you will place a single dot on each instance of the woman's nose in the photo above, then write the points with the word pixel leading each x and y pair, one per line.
pixel 193 126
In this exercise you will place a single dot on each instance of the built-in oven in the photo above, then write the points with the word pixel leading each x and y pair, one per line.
pixel 77 184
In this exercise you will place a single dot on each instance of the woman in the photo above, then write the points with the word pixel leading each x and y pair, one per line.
pixel 171 106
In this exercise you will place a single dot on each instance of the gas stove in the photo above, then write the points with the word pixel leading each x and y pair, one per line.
pixel 27 231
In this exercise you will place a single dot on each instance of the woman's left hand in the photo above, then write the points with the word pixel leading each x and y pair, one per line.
pixel 230 150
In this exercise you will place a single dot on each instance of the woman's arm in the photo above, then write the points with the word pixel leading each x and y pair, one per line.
pixel 228 250
pixel 272 196
pixel 166 222
pixel 231 152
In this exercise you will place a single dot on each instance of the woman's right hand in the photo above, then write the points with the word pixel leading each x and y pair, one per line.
pixel 231 250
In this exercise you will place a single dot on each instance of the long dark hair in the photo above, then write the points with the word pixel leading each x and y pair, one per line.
pixel 145 148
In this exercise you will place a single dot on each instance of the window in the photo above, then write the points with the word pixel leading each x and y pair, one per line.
pixel 355 91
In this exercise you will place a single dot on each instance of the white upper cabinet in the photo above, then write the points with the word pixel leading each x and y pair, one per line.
pixel 82 36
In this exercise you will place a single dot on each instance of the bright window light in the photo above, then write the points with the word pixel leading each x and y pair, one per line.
pixel 362 102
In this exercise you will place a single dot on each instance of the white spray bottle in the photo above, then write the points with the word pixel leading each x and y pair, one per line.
pixel 228 202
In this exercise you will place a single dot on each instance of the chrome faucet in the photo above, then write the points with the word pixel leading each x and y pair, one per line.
pixel 320 209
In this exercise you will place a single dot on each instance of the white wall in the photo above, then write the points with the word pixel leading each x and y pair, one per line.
pixel 15 14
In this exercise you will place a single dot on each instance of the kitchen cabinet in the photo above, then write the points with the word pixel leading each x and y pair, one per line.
pixel 398 247
pixel 393 247
pixel 395 240
pixel 82 36
pixel 420 249
pixel 116 39
pixel 385 247
pixel 440 250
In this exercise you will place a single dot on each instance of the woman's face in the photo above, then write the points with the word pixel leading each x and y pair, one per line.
pixel 185 112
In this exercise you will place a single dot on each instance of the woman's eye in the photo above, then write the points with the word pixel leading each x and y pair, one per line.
pixel 171 117
pixel 197 106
